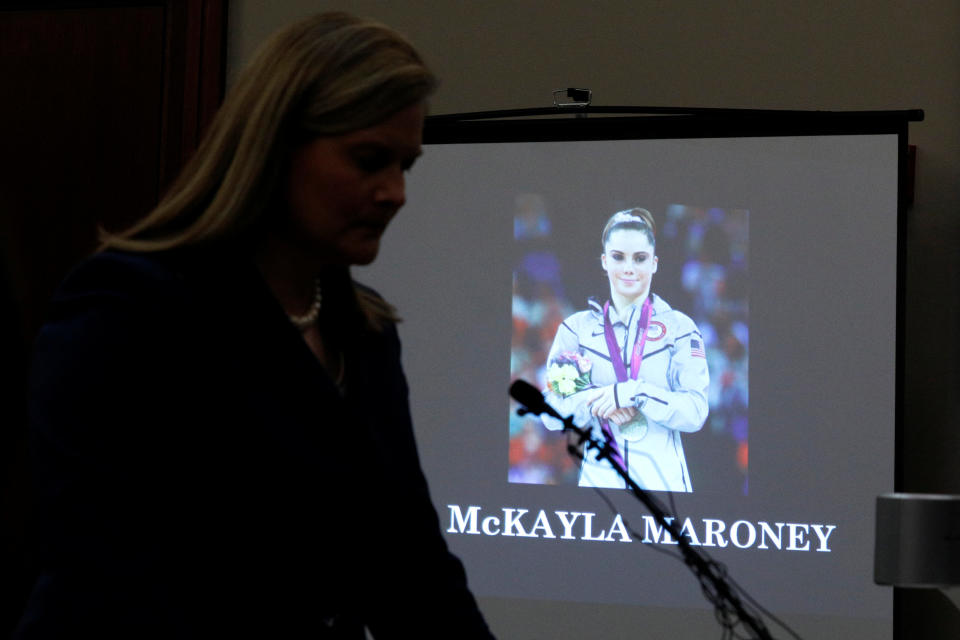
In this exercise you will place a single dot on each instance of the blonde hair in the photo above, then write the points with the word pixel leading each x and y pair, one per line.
pixel 326 75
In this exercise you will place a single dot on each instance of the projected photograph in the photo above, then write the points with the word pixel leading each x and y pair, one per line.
pixel 639 330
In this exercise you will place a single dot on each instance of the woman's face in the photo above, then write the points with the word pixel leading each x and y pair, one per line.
pixel 629 262
pixel 342 191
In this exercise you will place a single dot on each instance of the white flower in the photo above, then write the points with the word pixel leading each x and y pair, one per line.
pixel 569 371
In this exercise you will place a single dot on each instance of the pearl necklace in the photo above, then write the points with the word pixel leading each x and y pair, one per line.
pixel 307 320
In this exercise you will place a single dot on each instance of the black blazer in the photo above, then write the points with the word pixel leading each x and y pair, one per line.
pixel 199 475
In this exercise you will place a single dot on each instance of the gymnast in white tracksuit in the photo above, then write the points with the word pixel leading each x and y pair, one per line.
pixel 648 367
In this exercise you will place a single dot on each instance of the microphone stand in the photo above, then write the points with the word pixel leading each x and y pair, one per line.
pixel 703 568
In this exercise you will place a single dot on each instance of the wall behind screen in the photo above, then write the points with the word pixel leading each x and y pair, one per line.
pixel 855 55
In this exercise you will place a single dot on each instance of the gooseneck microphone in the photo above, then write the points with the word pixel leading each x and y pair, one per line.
pixel 528 395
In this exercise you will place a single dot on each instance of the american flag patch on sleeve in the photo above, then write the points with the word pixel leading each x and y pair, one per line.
pixel 696 349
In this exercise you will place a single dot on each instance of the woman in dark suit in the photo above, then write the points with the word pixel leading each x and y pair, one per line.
pixel 219 418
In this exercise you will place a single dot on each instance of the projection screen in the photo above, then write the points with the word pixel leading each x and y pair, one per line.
pixel 779 238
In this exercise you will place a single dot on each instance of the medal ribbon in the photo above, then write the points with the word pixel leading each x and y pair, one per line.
pixel 619 366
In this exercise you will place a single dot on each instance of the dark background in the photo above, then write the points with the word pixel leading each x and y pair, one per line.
pixel 102 103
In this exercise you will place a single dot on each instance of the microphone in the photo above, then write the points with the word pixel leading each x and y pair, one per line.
pixel 528 395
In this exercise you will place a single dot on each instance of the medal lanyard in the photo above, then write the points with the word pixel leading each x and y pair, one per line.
pixel 619 367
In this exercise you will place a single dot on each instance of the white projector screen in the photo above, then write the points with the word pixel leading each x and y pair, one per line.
pixel 785 250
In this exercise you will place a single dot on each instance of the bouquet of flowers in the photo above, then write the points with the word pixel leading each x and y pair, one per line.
pixel 568 373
